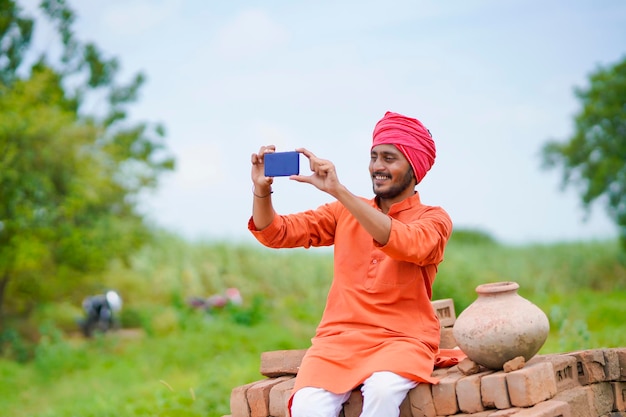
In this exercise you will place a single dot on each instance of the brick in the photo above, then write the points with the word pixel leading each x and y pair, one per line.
pixel 444 393
pixel 279 398
pixel 550 408
pixel 494 392
pixel 421 401
pixel 258 396
pixel 611 365
pixel 505 413
pixel 580 400
pixel 621 356
pixel 439 373
pixel 281 362
pixel 445 311
pixel 239 402
pixel 468 393
pixel 447 340
pixel 565 370
pixel 468 367
pixel 590 366
pixel 602 397
pixel 619 396
pixel 405 408
pixel 531 384
pixel 485 413
pixel 514 364
pixel 354 405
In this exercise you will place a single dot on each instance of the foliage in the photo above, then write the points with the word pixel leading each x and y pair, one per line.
pixel 69 181
pixel 184 362
pixel 593 158
pixel 474 237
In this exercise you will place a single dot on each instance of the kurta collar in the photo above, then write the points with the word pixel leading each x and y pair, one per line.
pixel 405 204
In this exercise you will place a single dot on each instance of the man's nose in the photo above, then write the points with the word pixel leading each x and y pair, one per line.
pixel 377 164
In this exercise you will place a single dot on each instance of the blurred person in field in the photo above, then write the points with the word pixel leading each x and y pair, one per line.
pixel 378 331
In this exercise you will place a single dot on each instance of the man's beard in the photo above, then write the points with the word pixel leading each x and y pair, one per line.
pixel 396 189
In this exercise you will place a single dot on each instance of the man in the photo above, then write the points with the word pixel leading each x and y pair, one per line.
pixel 379 330
pixel 100 310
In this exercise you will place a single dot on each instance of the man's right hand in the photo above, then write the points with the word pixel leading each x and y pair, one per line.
pixel 262 184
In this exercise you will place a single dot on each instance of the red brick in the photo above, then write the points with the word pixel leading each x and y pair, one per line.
pixel 447 340
pixel 444 394
pixel 565 370
pixel 621 355
pixel 445 311
pixel 531 384
pixel 421 401
pixel 514 364
pixel 405 407
pixel 439 373
pixel 550 408
pixel 239 402
pixel 281 362
pixel 590 366
pixel 354 405
pixel 611 365
pixel 602 396
pixel 468 367
pixel 580 400
pixel 258 396
pixel 279 398
pixel 468 393
pixel 494 391
pixel 509 412
pixel 619 396
pixel 485 413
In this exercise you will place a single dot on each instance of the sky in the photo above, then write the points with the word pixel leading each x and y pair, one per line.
pixel 493 81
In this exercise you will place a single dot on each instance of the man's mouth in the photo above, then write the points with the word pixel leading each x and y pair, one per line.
pixel 380 177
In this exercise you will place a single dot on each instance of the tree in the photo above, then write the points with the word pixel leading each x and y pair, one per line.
pixel 69 181
pixel 594 158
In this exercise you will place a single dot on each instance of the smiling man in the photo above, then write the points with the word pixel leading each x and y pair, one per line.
pixel 379 330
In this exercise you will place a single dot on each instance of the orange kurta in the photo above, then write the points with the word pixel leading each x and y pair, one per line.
pixel 378 315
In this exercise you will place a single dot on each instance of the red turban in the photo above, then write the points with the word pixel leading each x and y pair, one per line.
pixel 410 137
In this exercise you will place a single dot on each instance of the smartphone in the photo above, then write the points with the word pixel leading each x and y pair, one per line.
pixel 282 164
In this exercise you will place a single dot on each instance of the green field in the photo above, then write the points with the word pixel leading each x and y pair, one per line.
pixel 170 360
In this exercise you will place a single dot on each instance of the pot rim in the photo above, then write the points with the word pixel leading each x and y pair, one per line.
pixel 497 287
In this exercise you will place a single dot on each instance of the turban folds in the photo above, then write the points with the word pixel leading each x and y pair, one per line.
pixel 410 137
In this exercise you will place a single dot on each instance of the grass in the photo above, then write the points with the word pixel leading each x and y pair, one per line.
pixel 181 362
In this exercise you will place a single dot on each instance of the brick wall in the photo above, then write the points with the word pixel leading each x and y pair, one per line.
pixel 588 383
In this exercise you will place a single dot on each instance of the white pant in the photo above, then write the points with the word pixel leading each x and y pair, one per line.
pixel 383 392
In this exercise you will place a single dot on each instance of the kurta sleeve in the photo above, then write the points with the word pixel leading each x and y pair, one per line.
pixel 421 241
pixel 305 229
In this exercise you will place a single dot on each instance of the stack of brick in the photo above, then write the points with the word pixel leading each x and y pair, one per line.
pixel 589 383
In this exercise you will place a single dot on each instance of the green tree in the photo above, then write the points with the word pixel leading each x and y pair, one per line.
pixel 594 158
pixel 69 181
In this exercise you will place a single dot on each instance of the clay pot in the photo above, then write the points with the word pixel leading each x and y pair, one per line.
pixel 500 325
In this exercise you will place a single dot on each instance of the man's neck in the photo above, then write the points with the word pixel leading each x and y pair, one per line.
pixel 385 203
